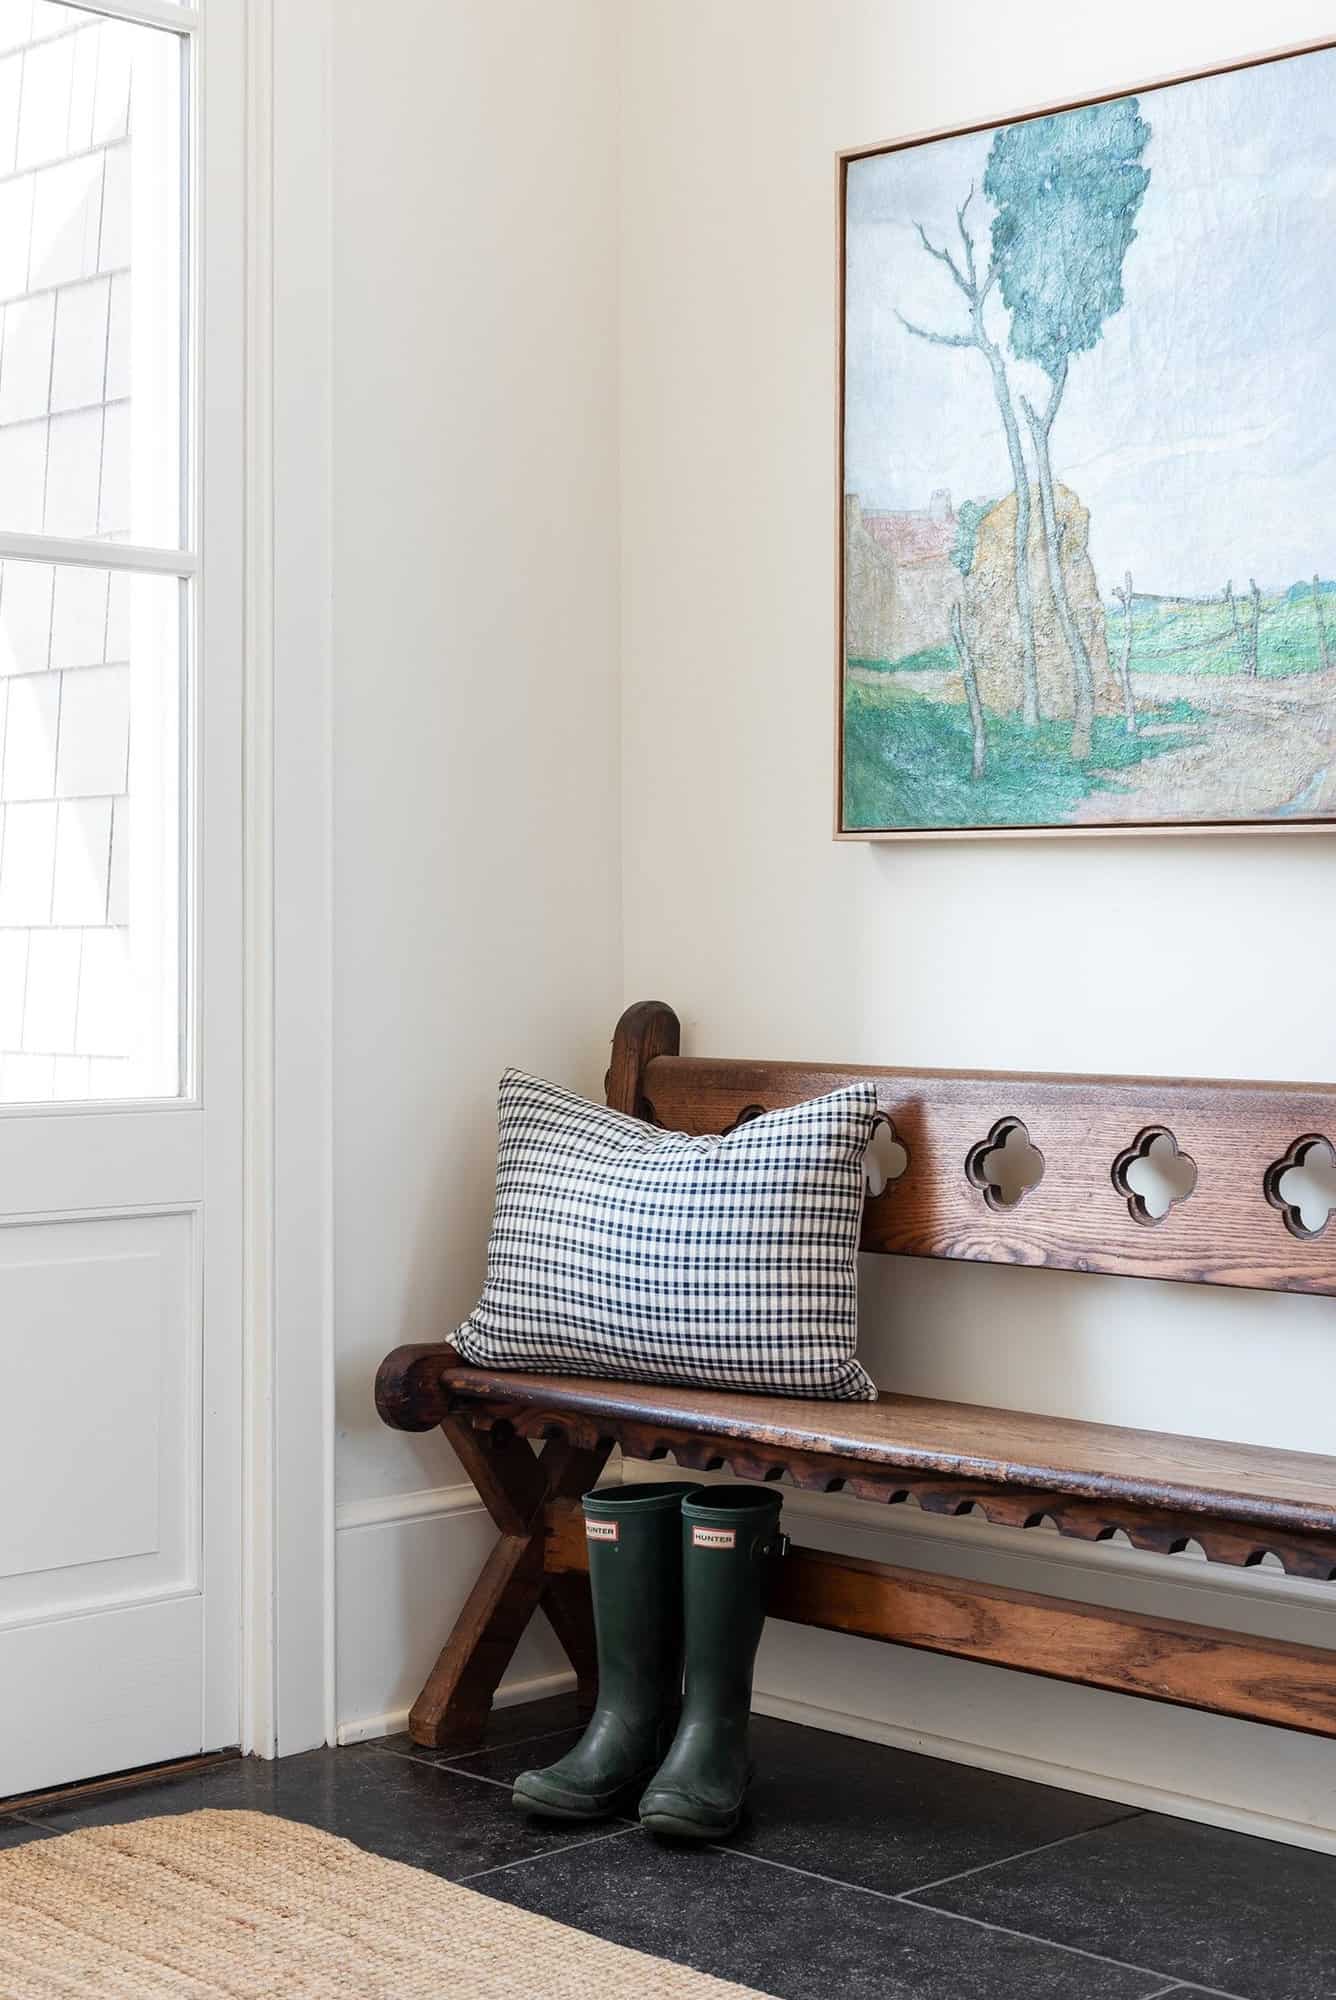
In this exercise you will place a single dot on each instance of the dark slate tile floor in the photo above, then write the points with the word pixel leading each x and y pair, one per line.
pixel 1227 1911
pixel 861 1871
pixel 13 1832
pixel 887 1820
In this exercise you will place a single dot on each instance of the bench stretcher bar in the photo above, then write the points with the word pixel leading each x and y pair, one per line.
pixel 1160 1659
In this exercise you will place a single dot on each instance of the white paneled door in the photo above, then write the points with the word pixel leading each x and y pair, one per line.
pixel 120 842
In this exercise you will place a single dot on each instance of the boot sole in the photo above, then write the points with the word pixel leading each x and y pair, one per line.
pixel 620 1802
pixel 540 1807
pixel 687 1829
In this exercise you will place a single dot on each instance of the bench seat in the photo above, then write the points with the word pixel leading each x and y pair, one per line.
pixel 1236 1503
pixel 1249 1486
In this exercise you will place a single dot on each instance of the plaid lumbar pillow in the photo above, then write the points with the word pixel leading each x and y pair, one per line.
pixel 622 1250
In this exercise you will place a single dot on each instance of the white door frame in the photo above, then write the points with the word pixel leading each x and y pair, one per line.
pixel 288 1685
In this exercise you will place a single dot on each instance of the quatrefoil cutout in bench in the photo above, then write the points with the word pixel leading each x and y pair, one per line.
pixel 1005 1166
pixel 886 1160
pixel 1153 1176
pixel 1303 1185
pixel 744 1117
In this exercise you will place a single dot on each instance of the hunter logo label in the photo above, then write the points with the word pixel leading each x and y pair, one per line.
pixel 714 1538
pixel 602 1531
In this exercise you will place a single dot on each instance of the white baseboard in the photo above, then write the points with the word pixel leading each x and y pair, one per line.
pixel 509 1695
pixel 1239 1775
pixel 405 1565
pixel 1041 1771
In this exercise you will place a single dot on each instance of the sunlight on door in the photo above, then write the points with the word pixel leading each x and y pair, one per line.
pixel 94 661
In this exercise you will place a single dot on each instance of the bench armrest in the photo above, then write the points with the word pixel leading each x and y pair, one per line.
pixel 409 1395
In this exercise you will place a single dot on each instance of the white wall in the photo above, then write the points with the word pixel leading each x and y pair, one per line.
pixel 477 589
pixel 1149 955
pixel 475 699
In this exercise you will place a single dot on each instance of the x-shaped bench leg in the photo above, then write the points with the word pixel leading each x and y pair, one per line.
pixel 516 1488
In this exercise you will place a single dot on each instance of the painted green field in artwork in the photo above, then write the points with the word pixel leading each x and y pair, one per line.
pixel 1188 636
pixel 909 742
pixel 907 761
pixel 932 659
pixel 1192 636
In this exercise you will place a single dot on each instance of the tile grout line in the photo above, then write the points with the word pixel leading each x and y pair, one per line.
pixel 1176 1983
pixel 905 1898
pixel 479 1777
pixel 567 1847
pixel 1022 1854
pixel 417 1755
pixel 958 1916
pixel 374 1749
pixel 1078 1951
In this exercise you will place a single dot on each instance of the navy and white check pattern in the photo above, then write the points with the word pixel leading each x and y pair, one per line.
pixel 622 1250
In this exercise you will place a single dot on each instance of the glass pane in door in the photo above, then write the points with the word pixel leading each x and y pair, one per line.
pixel 92 317
pixel 91 810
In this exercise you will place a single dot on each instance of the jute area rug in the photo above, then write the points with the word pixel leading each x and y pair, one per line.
pixel 241 1904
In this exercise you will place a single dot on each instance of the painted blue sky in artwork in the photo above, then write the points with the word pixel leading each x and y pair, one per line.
pixel 1201 431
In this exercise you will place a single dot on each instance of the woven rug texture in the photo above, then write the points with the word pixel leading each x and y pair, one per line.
pixel 203 1904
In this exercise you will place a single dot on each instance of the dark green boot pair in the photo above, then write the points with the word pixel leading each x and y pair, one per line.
pixel 674 1569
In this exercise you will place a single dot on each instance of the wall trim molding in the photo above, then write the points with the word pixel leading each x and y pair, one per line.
pixel 288 1678
pixel 1063 1777
pixel 303 965
pixel 426 1503
pixel 259 1553
pixel 388 1509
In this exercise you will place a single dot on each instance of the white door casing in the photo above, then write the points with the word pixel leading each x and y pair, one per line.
pixel 288 1627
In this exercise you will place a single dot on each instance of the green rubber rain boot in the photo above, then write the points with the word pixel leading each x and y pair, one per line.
pixel 730 1535
pixel 635 1573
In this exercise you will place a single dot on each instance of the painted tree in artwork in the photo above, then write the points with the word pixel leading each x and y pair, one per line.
pixel 1065 191
pixel 962 558
pixel 975 287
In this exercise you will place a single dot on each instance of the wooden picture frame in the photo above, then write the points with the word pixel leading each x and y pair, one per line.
pixel 1241 736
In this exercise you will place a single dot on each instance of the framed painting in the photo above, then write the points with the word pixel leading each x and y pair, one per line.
pixel 1087 445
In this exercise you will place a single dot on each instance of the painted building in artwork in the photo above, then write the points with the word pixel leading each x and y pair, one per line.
pixel 900 582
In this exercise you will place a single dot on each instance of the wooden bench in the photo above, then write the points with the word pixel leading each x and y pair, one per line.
pixel 1241 1225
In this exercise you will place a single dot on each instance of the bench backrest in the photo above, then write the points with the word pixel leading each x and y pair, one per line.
pixel 1257 1149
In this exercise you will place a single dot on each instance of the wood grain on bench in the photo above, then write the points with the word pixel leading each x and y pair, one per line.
pixel 1228 1232
pixel 1248 1484
pixel 1163 1659
pixel 1238 1503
